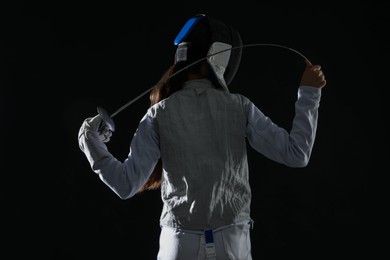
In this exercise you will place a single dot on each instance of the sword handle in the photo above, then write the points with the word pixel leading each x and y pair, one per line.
pixel 107 120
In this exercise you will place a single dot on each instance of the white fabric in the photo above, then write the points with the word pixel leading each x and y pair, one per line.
pixel 96 124
pixel 200 132
pixel 218 58
pixel 231 243
pixel 193 132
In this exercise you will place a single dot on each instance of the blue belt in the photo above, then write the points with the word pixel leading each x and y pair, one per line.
pixel 209 246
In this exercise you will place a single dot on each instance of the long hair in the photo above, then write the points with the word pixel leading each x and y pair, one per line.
pixel 200 40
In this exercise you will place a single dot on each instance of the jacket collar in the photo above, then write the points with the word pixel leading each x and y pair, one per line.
pixel 198 85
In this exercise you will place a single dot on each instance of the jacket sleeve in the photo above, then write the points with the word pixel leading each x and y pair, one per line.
pixel 292 148
pixel 124 178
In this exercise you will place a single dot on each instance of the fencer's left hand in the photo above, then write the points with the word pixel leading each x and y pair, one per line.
pixel 97 125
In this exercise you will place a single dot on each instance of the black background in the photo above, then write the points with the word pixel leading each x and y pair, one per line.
pixel 62 59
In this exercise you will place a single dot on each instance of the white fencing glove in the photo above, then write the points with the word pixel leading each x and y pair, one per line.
pixel 97 125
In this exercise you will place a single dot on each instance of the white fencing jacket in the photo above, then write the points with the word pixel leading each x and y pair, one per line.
pixel 200 133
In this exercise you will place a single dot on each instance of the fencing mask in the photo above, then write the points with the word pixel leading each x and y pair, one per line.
pixel 220 43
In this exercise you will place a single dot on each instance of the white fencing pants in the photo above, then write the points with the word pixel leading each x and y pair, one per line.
pixel 226 243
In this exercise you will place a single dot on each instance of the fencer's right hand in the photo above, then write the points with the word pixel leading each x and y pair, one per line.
pixel 96 124
pixel 313 76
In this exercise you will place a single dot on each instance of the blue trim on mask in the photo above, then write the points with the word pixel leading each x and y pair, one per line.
pixel 187 28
